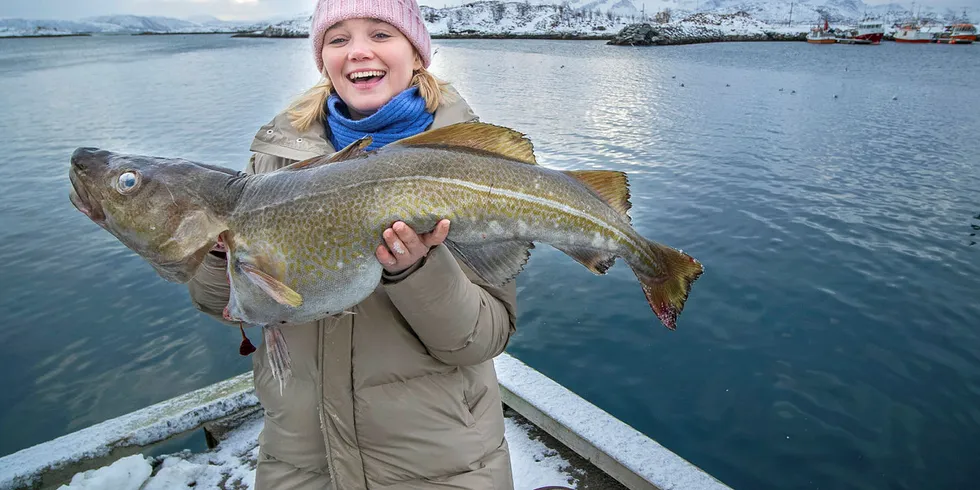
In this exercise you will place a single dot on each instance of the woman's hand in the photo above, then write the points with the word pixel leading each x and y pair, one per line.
pixel 403 247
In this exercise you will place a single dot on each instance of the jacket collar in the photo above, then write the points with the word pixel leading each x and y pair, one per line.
pixel 278 137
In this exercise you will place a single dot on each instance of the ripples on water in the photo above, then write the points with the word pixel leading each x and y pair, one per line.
pixel 831 343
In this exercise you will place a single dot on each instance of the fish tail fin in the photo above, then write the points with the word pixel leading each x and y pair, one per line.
pixel 666 277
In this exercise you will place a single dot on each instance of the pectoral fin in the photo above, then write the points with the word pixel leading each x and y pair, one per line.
pixel 280 292
pixel 495 262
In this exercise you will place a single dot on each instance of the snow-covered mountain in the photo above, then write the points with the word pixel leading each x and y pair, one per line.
pixel 810 11
pixel 619 7
pixel 518 18
pixel 298 26
pixel 521 17
pixel 120 24
pixel 31 27
pixel 531 17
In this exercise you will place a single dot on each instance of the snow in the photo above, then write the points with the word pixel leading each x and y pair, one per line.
pixel 629 447
pixel 725 24
pixel 151 424
pixel 120 24
pixel 128 472
pixel 531 17
pixel 232 465
pixel 517 18
pixel 534 465
pixel 839 11
pixel 295 27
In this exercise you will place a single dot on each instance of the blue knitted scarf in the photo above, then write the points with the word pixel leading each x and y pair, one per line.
pixel 403 116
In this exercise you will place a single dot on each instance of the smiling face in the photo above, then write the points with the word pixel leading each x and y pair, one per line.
pixel 368 62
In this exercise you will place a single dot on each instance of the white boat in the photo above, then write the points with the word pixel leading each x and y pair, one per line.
pixel 913 32
pixel 580 441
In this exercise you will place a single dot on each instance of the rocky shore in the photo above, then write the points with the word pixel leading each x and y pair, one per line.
pixel 694 29
pixel 275 31
pixel 563 36
pixel 705 28
pixel 644 34
pixel 33 36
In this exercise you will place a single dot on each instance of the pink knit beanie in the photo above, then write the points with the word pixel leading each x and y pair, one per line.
pixel 405 15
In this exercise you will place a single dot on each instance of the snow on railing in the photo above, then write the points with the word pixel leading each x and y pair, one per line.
pixel 140 428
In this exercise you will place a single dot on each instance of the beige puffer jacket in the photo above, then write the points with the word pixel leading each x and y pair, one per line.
pixel 400 395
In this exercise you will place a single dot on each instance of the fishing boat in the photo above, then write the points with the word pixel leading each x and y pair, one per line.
pixel 913 32
pixel 821 35
pixel 868 31
pixel 965 33
pixel 208 438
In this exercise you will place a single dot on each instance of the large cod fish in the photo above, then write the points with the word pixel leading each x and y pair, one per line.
pixel 301 240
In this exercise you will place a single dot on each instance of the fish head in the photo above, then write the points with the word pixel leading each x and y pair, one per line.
pixel 156 207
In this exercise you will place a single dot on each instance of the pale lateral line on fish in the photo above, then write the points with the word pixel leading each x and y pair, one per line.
pixel 506 193
pixel 514 195
pixel 489 190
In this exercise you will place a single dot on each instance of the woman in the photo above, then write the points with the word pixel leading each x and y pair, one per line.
pixel 402 393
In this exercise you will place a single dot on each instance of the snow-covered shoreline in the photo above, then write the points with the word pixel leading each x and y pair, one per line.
pixel 528 19
pixel 119 25
pixel 706 28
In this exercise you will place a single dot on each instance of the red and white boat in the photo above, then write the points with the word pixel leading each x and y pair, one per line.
pixel 912 32
pixel 869 31
pixel 821 35
pixel 965 33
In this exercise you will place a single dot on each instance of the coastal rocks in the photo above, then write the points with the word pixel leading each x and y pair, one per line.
pixel 566 36
pixel 646 35
pixel 702 28
pixel 642 34
pixel 276 31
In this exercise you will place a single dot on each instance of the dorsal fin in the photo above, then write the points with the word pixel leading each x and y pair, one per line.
pixel 486 137
pixel 350 151
pixel 612 186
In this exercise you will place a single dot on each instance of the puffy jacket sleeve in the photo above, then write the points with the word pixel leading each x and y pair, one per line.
pixel 461 320
pixel 209 290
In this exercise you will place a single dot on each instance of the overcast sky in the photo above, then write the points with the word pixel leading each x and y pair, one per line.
pixel 252 9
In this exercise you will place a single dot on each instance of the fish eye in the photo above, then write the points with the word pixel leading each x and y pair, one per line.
pixel 127 182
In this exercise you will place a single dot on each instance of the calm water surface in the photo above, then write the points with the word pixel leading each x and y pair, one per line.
pixel 832 342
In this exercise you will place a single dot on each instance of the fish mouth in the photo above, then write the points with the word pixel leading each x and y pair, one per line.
pixel 81 198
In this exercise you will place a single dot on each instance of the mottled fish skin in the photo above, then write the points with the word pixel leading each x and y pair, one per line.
pixel 320 226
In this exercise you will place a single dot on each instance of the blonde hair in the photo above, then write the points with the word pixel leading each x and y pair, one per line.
pixel 310 107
